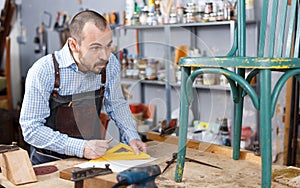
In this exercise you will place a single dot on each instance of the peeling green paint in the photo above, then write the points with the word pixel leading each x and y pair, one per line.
pixel 179 170
pixel 280 60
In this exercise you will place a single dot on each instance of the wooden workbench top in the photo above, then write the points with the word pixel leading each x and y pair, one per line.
pixel 241 173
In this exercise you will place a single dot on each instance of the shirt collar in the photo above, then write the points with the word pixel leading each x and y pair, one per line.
pixel 67 59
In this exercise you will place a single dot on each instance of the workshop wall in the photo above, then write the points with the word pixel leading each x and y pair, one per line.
pixel 33 14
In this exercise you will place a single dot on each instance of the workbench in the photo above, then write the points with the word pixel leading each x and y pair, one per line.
pixel 241 173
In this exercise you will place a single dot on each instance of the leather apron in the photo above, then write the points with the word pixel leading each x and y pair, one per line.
pixel 76 115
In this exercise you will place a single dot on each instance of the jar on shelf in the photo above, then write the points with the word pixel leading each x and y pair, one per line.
pixel 142 68
pixel 224 131
pixel 190 18
pixel 135 19
pixel 228 10
pixel 190 7
pixel 209 79
pixel 212 17
pixel 173 18
pixel 143 17
pixel 205 17
pixel 220 15
pixel 151 19
pixel 208 8
pixel 223 80
pixel 180 13
pixel 151 69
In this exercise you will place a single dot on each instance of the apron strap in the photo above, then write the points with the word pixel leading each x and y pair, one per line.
pixel 103 80
pixel 57 77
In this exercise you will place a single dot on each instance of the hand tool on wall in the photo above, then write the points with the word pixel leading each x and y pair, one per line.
pixel 41 38
pixel 174 157
pixel 37 41
pixel 62 26
pixel 139 177
pixel 79 175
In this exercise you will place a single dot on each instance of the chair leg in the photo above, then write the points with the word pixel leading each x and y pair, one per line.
pixel 183 125
pixel 265 127
pixel 237 128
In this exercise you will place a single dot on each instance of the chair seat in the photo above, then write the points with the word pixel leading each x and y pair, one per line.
pixel 241 62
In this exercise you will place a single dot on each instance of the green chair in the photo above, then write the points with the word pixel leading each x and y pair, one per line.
pixel 278 51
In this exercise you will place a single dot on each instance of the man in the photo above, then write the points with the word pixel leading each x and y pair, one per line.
pixel 64 92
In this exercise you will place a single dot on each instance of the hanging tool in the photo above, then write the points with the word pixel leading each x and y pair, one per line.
pixel 79 175
pixel 139 177
pixel 41 38
pixel 174 157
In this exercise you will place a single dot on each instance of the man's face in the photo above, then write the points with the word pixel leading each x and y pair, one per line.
pixel 94 49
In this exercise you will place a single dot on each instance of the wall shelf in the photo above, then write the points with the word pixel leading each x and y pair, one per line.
pixel 211 94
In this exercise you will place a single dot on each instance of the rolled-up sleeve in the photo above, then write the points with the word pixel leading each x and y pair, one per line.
pixel 116 105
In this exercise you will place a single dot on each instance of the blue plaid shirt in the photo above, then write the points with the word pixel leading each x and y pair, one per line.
pixel 38 88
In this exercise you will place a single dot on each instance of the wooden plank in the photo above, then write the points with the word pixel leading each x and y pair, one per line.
pixel 172 140
pixel 204 146
pixel 287 119
pixel 16 167
pixel 106 181
pixel 234 173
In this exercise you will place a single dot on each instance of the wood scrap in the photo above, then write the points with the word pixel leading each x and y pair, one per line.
pixel 289 176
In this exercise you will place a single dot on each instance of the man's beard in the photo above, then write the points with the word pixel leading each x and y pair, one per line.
pixel 92 68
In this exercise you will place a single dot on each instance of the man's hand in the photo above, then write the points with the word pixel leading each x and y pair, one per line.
pixel 95 148
pixel 137 146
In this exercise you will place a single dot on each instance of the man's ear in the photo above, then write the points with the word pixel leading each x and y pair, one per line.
pixel 73 44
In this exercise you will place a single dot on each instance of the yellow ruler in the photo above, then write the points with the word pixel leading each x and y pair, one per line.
pixel 121 152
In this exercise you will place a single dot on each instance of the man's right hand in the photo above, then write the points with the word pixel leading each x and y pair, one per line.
pixel 95 148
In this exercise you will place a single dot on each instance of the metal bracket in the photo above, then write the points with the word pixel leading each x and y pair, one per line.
pixel 5 148
pixel 168 128
pixel 84 173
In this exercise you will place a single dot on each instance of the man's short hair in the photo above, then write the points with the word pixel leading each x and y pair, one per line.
pixel 81 18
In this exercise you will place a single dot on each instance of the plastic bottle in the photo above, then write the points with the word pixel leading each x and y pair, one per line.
pixel 224 132
pixel 250 15
pixel 129 7
pixel 228 10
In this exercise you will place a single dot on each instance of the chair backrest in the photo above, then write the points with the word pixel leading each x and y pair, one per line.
pixel 279 29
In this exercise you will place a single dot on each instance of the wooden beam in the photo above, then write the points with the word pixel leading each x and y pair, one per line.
pixel 204 146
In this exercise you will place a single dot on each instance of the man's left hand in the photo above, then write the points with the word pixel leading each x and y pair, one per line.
pixel 137 146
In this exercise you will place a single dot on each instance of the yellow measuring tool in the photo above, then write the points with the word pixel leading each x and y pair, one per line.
pixel 121 152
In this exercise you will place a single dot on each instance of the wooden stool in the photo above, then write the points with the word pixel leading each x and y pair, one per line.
pixel 271 57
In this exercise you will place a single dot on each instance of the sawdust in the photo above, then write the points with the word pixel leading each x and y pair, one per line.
pixel 234 173
pixel 289 176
